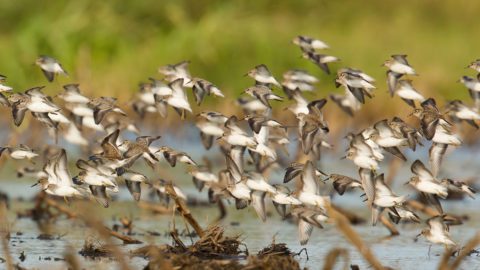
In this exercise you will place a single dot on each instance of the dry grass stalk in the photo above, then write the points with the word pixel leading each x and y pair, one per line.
pixel 332 257
pixel 5 235
pixel 389 225
pixel 416 205
pixel 466 250
pixel 155 208
pixel 105 234
pixel 352 217
pixel 70 259
pixel 182 209
pixel 71 214
pixel 344 227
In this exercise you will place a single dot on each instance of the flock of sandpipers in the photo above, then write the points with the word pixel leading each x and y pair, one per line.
pixel 247 183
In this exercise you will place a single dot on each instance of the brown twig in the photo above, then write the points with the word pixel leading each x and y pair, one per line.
pixel 389 225
pixel 344 227
pixel 332 256
pixel 182 208
pixel 5 234
pixel 475 241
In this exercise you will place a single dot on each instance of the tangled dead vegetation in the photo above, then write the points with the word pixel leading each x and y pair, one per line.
pixel 214 250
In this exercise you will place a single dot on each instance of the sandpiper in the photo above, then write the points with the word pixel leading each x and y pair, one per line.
pixel 140 148
pixel 159 186
pixel 341 183
pixel 177 71
pixel 211 126
pixel 50 67
pixel 460 186
pixel 458 112
pixel 4 88
pixel 436 153
pixel 297 79
pixel 361 154
pixel 397 67
pixel 400 127
pixel 202 87
pixel 72 94
pixel 321 60
pixel 263 94
pixel 103 105
pixel 172 156
pixel 426 183
pixel 178 99
pixel 234 135
pixel 307 43
pixel 58 181
pixel 309 192
pixel 201 175
pixel 404 89
pixel 133 181
pixel 429 116
pixel 389 140
pixel 307 218
pixel 355 83
pixel 384 198
pixel 262 76
pixel 295 169
pixel 438 233
pixel 281 198
pixel 20 152
pixel 31 172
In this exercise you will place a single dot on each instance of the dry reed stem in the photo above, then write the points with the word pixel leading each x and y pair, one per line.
pixel 332 256
pixel 182 208
pixel 70 259
pixel 4 234
pixel 475 241
pixel 389 225
pixel 105 234
pixel 344 227
pixel 416 205
pixel 72 215
pixel 157 209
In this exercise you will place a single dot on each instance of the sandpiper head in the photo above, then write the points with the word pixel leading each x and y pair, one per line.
pixel 424 232
pixel 465 79
pixel 306 55
pixel 251 72
pixel 417 113
pixel 387 63
pixel 43 182
pixel 40 60
pixel 249 91
pixel 192 170
pixel 297 40
pixel 374 136
pixel 165 149
pixel 414 180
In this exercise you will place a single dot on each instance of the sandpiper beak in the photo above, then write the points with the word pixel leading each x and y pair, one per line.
pixel 35 184
pixel 344 157
pixel 416 237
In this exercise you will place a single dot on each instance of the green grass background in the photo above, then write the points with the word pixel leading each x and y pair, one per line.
pixel 110 46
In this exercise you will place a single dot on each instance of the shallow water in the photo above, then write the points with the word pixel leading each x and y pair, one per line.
pixel 399 252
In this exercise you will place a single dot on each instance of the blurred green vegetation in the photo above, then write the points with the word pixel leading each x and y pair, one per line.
pixel 110 46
